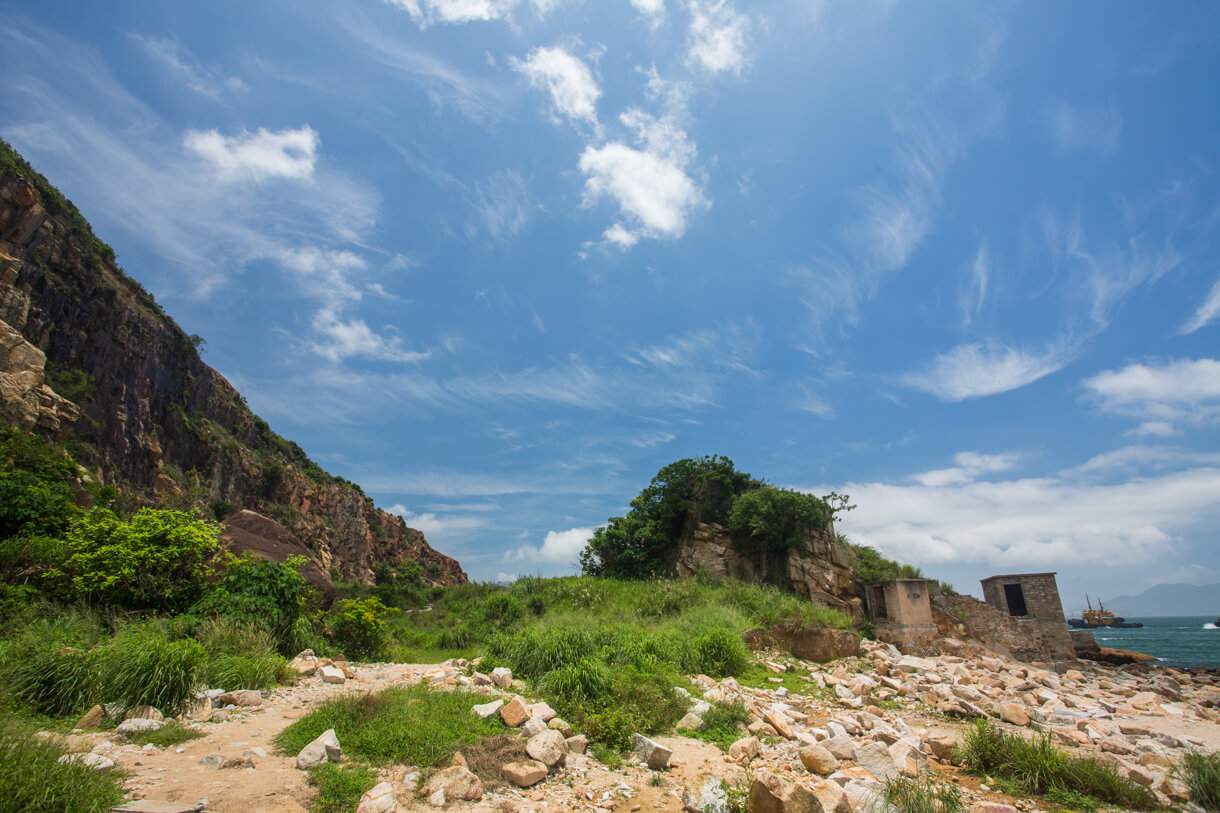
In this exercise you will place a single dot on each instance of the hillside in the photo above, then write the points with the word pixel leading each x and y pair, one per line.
pixel 1169 599
pixel 126 388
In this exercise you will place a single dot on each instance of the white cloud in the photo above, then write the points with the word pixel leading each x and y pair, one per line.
pixel 649 182
pixel 1033 523
pixel 1131 459
pixel 439 527
pixel 573 90
pixel 969 466
pixel 259 155
pixel 339 340
pixel 325 272
pixel 1207 311
pixel 179 62
pixel 558 547
pixel 716 40
pixel 427 12
pixel 978 370
pixel 654 10
pixel 1092 128
pixel 1186 391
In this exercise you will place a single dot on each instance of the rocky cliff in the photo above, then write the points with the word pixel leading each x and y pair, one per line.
pixel 86 352
pixel 819 570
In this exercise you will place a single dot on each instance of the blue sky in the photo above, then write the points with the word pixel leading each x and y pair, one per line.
pixel 499 261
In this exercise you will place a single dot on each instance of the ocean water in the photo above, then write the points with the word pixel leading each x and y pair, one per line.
pixel 1176 641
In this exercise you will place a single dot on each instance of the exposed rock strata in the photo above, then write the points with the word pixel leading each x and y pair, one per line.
pixel 155 420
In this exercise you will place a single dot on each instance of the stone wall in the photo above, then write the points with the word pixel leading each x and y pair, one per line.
pixel 1026 639
pixel 902 613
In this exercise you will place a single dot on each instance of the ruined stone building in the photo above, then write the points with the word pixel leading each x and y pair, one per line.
pixel 901 611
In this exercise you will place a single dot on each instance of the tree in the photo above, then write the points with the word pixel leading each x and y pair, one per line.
pixel 776 519
pixel 682 494
pixel 157 560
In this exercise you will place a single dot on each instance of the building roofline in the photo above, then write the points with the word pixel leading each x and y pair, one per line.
pixel 1015 576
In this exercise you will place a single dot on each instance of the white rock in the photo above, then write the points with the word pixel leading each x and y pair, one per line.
pixel 379 799
pixel 323 749
pixel 502 676
pixel 332 674
pixel 651 752
pixel 136 724
pixel 487 709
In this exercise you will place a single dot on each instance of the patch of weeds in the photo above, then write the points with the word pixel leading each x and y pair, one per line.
pixel 32 778
pixel 1034 766
pixel 736 796
pixel 925 795
pixel 720 724
pixel 606 755
pixel 1201 774
pixel 411 726
pixel 170 734
pixel 758 676
pixel 1072 800
pixel 657 780
pixel 485 758
pixel 340 785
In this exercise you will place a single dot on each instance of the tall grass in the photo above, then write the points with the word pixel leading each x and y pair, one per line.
pixel 240 655
pixel 1201 773
pixel 32 778
pixel 924 795
pixel 141 665
pixel 46 664
pixel 1034 766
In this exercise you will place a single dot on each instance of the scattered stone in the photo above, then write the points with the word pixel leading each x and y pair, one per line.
pixel 818 760
pixel 241 697
pixel 691 721
pixel 97 762
pixel 220 761
pixel 379 799
pixel 560 725
pixel 138 724
pixel 780 723
pixel 578 744
pixel 93 718
pixel 514 713
pixel 453 784
pixel 323 749
pixel 650 752
pixel 841 747
pixel 548 747
pixel 745 749
pixel 332 674
pixel 143 713
pixel 487 709
pixel 876 759
pixel 543 712
pixel 502 676
pixel 770 794
pixel 992 807
pixel 533 726
pixel 710 798
pixel 524 774
pixel 1014 713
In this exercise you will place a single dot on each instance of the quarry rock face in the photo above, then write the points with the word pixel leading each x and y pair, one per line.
pixel 152 415
pixel 819 570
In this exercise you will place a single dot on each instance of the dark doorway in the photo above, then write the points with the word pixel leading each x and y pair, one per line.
pixel 1016 599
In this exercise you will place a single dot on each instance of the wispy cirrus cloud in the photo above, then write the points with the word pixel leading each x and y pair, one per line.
pixel 178 61
pixel 1207 312
pixel 1094 128
pixel 976 370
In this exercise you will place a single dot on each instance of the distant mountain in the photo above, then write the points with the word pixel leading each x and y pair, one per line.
pixel 1169 599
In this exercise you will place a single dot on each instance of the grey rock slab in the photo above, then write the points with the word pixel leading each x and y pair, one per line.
pixel 651 752
pixel 323 749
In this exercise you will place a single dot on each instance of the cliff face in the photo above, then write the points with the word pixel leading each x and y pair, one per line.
pixel 146 414
pixel 820 569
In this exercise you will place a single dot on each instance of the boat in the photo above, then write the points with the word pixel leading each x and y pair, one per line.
pixel 1101 618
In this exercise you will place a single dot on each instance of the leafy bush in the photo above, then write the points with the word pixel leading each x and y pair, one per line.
pixel 157 560
pixel 141 665
pixel 30 505
pixel 723 724
pixel 260 592
pixel 33 778
pixel 1035 766
pixel 358 627
pixel 776 519
pixel 719 652
pixel 1201 773
pixel 643 702
pixel 871 566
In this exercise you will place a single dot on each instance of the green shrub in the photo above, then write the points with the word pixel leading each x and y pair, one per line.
pixel 723 724
pixel 406 726
pixel 32 778
pixel 637 702
pixel 870 566
pixel 1201 774
pixel 157 560
pixel 358 627
pixel 720 652
pixel 241 655
pixel 503 608
pixel 1035 766
pixel 171 734
pixel 776 519
pixel 140 665
pixel 257 591
pixel 30 505
pixel 586 681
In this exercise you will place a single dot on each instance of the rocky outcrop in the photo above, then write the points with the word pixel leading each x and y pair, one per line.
pixel 249 533
pixel 151 418
pixel 819 570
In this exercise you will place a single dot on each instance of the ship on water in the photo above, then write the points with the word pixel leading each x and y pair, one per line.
pixel 1101 618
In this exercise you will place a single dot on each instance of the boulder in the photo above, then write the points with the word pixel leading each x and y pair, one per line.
pixel 780 723
pixel 143 713
pixel 93 718
pixel 332 674
pixel 533 726
pixel 378 799
pixel 770 794
pixel 578 744
pixel 487 709
pixel 241 697
pixel 137 724
pixel 323 749
pixel 832 797
pixel 817 759
pixel 942 745
pixel 543 712
pixel 1014 713
pixel 524 774
pixel 651 752
pixel 560 725
pixel 876 759
pixel 514 713
pixel 453 784
pixel 690 721
pixel 97 762
pixel 263 537
pixel 840 746
pixel 548 747
pixel 502 676
pixel 745 749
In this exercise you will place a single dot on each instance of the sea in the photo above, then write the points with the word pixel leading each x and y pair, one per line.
pixel 1177 641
